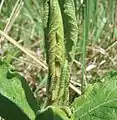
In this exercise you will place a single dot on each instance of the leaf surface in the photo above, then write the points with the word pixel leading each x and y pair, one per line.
pixel 99 102
pixel 10 111
pixel 68 10
pixel 13 87
pixel 52 113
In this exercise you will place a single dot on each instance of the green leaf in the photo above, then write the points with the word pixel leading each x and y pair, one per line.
pixel 70 26
pixel 99 102
pixel 45 14
pixel 13 86
pixel 10 111
pixel 52 113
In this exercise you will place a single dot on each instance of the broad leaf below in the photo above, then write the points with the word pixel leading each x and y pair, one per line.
pixel 14 88
pixel 99 101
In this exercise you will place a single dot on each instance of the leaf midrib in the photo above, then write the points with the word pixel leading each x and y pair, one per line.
pixel 96 107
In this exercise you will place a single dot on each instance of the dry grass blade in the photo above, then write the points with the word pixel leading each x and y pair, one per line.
pixel 1 4
pixel 11 40
pixel 75 89
pixel 12 18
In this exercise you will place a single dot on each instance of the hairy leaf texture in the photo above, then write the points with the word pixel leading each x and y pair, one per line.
pixel 70 26
pixel 56 49
pixel 99 102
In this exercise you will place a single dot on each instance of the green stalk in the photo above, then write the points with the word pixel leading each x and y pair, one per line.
pixel 85 38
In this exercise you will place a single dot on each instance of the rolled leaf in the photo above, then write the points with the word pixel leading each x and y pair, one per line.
pixel 70 26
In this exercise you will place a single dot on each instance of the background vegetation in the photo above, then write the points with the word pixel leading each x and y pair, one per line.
pixel 94 48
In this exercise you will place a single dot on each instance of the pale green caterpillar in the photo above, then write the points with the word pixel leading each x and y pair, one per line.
pixel 64 85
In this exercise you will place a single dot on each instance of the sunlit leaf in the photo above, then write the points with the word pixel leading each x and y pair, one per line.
pixel 13 86
pixel 99 101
